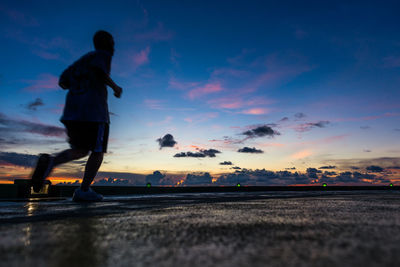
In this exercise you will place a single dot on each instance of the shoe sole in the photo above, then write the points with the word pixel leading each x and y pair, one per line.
pixel 38 174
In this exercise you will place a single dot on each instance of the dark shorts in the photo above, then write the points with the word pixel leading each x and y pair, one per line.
pixel 92 136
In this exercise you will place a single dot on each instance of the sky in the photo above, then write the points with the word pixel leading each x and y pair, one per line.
pixel 215 92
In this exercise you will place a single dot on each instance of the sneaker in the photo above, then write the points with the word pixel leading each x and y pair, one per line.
pixel 88 196
pixel 43 168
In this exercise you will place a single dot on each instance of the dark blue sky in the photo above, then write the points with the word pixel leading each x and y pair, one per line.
pixel 324 74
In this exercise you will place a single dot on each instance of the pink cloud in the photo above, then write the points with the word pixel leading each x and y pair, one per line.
pixel 201 117
pixel 276 69
pixel 300 34
pixel 153 103
pixel 46 55
pixel 327 140
pixel 391 61
pixel 142 57
pixel 301 154
pixel 176 84
pixel 230 72
pixel 205 90
pixel 157 34
pixel 44 82
pixel 236 102
pixel 255 111
pixel 19 17
pixel 271 145
pixel 227 102
pixel 275 76
pixel 167 120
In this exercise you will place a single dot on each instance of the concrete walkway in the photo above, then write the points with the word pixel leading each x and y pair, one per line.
pixel 214 229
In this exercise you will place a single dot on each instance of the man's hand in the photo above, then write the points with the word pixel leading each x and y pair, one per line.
pixel 117 91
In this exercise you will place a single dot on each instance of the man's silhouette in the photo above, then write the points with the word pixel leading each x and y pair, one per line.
pixel 85 116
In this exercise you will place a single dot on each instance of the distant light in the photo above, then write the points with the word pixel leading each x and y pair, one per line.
pixel 391 185
pixel 238 185
pixel 324 185
pixel 148 185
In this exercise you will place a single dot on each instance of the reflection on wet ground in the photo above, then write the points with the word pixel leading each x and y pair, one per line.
pixel 209 229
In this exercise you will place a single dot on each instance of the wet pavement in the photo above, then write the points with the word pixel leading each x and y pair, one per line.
pixel 360 228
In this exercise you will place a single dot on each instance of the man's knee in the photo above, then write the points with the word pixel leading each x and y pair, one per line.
pixel 79 153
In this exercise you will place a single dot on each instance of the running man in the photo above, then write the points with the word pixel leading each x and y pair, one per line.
pixel 86 117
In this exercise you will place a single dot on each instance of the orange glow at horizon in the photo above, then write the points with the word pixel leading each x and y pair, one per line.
pixel 6 182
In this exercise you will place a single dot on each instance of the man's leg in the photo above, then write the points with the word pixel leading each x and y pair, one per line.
pixel 92 166
pixel 46 163
pixel 69 155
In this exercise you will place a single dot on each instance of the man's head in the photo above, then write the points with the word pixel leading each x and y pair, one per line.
pixel 104 41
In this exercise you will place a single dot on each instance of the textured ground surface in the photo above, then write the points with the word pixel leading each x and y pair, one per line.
pixel 237 229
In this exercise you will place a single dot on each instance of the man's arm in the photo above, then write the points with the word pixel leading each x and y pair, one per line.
pixel 113 85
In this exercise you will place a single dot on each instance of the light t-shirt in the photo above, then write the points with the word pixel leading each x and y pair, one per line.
pixel 87 95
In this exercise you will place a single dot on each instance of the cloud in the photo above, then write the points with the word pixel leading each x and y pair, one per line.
pixel 284 119
pixel 112 181
pixel 391 61
pixel 141 58
pixel 255 111
pixel 356 164
pixel 261 131
pixel 308 126
pixel 33 105
pixel 236 168
pixel 157 34
pixel 276 69
pixel 197 118
pixel 176 84
pixel 133 178
pixel 226 163
pixel 166 141
pixel 238 101
pixel 262 177
pixel 209 88
pixel 327 167
pixel 198 179
pixel 201 154
pixel 46 55
pixel 300 34
pixel 250 150
pixel 12 125
pixel 154 103
pixel 292 168
pixel 301 154
pixel 353 178
pixel 19 17
pixel 44 83
pixel 210 152
pixel 374 168
pixel 367 150
pixel 300 115
pixel 189 155
pixel 155 178
pixel 365 127
pixel 10 141
pixel 312 172
pixel 17 159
